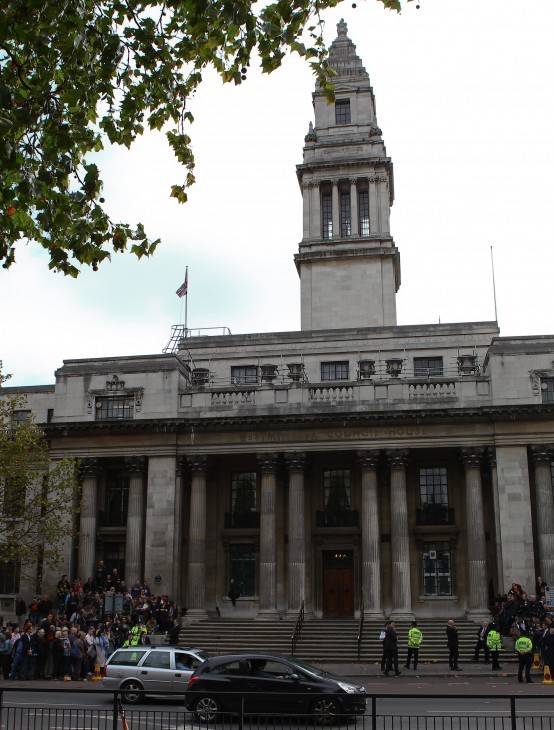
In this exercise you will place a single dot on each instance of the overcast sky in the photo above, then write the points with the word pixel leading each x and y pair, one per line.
pixel 464 97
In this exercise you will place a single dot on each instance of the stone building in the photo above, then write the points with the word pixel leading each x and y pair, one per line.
pixel 357 465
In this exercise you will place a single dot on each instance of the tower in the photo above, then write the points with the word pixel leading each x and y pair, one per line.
pixel 348 264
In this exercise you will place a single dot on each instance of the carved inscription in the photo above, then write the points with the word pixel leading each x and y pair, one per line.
pixel 343 434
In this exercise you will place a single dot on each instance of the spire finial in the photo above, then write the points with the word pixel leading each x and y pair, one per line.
pixel 342 29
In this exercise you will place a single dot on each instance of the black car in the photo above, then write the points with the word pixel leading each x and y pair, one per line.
pixel 269 684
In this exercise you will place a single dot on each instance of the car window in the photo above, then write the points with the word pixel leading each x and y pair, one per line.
pixel 278 669
pixel 126 658
pixel 229 668
pixel 159 659
pixel 189 660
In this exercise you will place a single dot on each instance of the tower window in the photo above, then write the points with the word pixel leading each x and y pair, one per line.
pixel 547 390
pixel 244 374
pixel 342 111
pixel 334 370
pixel 345 216
pixel 363 207
pixel 425 366
pixel 327 215
pixel 114 408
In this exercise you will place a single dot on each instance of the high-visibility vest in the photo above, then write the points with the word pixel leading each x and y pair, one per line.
pixel 415 637
pixel 524 645
pixel 493 640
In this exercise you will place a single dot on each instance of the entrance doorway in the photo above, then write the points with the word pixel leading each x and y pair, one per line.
pixel 338 583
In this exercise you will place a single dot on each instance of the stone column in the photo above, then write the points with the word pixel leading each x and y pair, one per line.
pixel 296 465
pixel 177 577
pixel 336 209
pixel 90 469
pixel 315 213
pixel 400 536
pixel 371 537
pixel 306 200
pixel 354 222
pixel 477 599
pixel 268 538
pixel 196 578
pixel 373 208
pixel 491 458
pixel 541 457
pixel 134 544
pixel 384 204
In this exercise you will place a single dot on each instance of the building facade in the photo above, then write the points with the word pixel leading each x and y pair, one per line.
pixel 357 465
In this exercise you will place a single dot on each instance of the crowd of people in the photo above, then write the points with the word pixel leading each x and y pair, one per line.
pixel 526 619
pixel 72 637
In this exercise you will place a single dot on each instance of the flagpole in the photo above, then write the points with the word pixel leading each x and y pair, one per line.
pixel 494 289
pixel 186 299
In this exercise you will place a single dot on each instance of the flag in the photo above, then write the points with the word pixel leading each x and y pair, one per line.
pixel 182 290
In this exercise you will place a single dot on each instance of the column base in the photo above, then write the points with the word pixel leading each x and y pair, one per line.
pixel 478 615
pixel 268 614
pixel 401 614
pixel 374 614
pixel 195 614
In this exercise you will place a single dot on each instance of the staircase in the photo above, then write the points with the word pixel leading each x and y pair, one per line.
pixel 333 640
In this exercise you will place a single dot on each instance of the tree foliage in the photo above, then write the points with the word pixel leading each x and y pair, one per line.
pixel 78 75
pixel 36 495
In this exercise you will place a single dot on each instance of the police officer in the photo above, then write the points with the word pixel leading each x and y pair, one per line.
pixel 495 644
pixel 415 638
pixel 524 649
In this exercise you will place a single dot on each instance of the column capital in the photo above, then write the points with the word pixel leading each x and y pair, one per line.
pixel 353 180
pixel 541 453
pixel 472 456
pixel 198 463
pixel 490 456
pixel 397 458
pixel 335 181
pixel 181 465
pixel 296 461
pixel 136 465
pixel 89 467
pixel 368 459
pixel 267 462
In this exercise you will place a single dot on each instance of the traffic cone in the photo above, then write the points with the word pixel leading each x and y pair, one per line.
pixel 547 679
pixel 96 677
pixel 536 663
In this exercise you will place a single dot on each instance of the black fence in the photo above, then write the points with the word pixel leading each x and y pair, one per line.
pixel 48 709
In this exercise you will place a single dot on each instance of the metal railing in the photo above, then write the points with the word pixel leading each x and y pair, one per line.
pixel 297 628
pixel 359 638
pixel 89 710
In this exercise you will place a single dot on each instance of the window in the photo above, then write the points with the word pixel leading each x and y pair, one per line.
pixel 114 556
pixel 327 215
pixel 13 493
pixel 342 111
pixel 243 500
pixel 425 366
pixel 117 497
pixel 437 569
pixel 336 490
pixel 242 570
pixel 158 660
pixel 19 417
pixel 9 576
pixel 433 486
pixel 114 407
pixel 244 374
pixel 345 217
pixel 123 658
pixel 547 389
pixel 363 208
pixel 334 370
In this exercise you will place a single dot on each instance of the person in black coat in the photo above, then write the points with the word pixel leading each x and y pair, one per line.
pixel 173 633
pixel 482 642
pixel 453 645
pixel 390 648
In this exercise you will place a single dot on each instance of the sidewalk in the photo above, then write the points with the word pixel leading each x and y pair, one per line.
pixel 424 669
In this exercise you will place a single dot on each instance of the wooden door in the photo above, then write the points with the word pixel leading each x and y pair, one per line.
pixel 338 586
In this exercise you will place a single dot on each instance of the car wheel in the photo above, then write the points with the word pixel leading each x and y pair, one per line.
pixel 132 692
pixel 325 711
pixel 207 709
